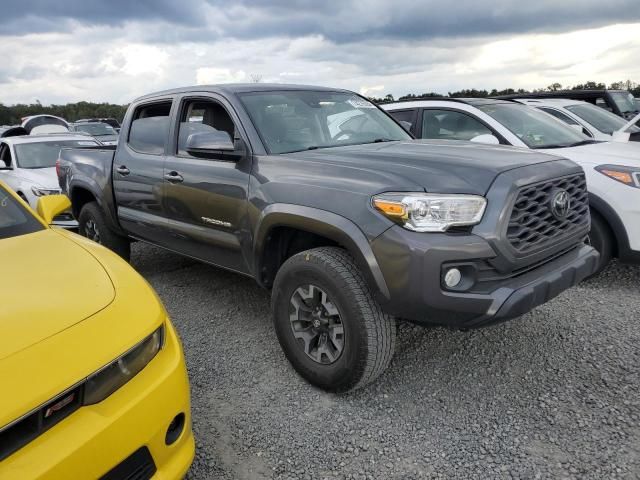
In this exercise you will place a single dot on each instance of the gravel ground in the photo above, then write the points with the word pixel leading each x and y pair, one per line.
pixel 555 394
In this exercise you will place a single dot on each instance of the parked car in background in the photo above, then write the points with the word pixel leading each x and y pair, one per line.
pixel 115 124
pixel 620 102
pixel 102 132
pixel 612 169
pixel 323 198
pixel 593 121
pixel 100 382
pixel 28 166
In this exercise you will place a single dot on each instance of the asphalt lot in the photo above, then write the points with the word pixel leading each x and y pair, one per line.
pixel 555 394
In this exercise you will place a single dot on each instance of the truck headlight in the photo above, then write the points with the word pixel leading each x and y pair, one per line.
pixel 430 212
pixel 628 175
pixel 41 192
pixel 114 375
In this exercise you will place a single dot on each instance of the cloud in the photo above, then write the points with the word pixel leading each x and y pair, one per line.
pixel 81 52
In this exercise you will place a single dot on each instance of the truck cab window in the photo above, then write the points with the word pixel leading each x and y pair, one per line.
pixel 150 128
pixel 202 116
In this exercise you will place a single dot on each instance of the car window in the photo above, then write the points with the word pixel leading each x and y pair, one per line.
pixel 150 128
pixel 533 127
pixel 404 116
pixel 559 115
pixel 290 121
pixel 96 129
pixel 604 121
pixel 203 116
pixel 451 125
pixel 5 154
pixel 44 154
pixel 624 101
pixel 14 218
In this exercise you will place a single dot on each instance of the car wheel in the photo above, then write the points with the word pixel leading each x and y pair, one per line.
pixel 331 329
pixel 93 225
pixel 601 238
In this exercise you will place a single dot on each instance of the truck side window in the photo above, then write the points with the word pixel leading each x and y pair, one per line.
pixel 150 128
pixel 451 125
pixel 201 116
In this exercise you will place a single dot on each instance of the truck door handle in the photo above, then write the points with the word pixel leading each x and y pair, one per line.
pixel 173 177
pixel 122 170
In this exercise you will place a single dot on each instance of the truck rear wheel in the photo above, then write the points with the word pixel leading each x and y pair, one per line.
pixel 331 329
pixel 93 225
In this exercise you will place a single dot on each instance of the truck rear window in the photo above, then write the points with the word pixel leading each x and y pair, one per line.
pixel 150 128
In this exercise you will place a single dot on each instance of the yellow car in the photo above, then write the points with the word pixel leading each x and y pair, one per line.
pixel 93 382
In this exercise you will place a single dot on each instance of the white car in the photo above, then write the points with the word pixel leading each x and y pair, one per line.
pixel 27 165
pixel 593 121
pixel 612 169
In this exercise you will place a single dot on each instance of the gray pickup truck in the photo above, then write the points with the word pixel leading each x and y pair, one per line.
pixel 324 199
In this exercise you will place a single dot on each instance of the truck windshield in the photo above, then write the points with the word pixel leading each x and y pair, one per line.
pixel 45 154
pixel 604 121
pixel 624 101
pixel 14 218
pixel 535 128
pixel 292 121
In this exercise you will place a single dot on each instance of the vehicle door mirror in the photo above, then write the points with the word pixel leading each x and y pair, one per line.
pixel 406 125
pixel 205 144
pixel 621 137
pixel 50 206
pixel 487 139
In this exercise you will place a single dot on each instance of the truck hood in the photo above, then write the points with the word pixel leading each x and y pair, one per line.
pixel 41 177
pixel 437 165
pixel 601 153
pixel 50 283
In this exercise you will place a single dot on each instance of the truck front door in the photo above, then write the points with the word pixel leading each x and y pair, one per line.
pixel 205 194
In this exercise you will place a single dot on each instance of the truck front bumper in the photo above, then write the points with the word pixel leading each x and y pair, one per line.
pixel 414 264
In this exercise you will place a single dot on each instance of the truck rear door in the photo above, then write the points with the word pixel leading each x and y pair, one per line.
pixel 138 170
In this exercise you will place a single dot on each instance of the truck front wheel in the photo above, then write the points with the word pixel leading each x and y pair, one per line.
pixel 93 225
pixel 331 329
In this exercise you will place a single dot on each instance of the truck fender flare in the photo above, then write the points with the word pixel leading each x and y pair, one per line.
pixel 326 224
pixel 92 187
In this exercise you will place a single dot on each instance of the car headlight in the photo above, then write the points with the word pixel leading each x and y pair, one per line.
pixel 429 212
pixel 113 376
pixel 41 192
pixel 628 175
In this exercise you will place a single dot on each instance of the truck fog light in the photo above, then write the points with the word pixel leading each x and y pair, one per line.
pixel 452 278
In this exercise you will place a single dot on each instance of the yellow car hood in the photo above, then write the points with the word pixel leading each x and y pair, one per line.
pixel 47 284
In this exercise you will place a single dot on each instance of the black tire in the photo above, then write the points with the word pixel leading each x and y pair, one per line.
pixel 369 337
pixel 601 238
pixel 93 225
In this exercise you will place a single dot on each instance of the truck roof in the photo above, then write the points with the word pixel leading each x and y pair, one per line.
pixel 240 88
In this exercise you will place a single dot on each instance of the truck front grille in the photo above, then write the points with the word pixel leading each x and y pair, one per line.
pixel 534 225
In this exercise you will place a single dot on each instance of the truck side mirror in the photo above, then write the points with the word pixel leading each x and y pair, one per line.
pixel 486 139
pixel 201 144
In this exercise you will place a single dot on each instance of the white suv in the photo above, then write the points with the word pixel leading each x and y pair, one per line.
pixel 593 121
pixel 612 169
pixel 27 165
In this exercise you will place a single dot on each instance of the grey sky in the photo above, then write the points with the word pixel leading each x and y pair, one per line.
pixel 112 51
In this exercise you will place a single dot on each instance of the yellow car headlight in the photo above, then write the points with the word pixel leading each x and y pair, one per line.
pixel 114 375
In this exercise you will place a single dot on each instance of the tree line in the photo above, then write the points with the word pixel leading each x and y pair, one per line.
pixel 629 85
pixel 12 115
